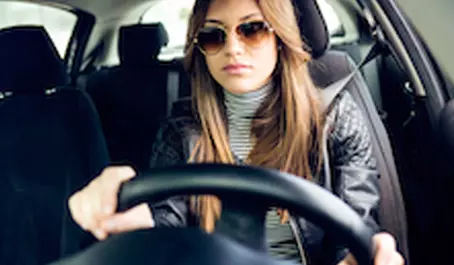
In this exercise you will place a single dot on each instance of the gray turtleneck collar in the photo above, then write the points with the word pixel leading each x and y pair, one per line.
pixel 240 108
pixel 247 104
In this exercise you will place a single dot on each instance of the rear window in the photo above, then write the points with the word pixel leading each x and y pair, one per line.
pixel 175 15
pixel 58 23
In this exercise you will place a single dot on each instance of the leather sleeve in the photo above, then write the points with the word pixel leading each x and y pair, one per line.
pixel 168 151
pixel 355 178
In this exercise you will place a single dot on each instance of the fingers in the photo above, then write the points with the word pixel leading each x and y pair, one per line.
pixel 112 178
pixel 138 217
pixel 100 234
pixel 384 247
pixel 76 211
pixel 283 214
pixel 397 259
pixel 98 200
pixel 386 253
pixel 284 217
pixel 348 260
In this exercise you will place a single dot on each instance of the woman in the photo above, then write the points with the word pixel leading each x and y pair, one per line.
pixel 254 101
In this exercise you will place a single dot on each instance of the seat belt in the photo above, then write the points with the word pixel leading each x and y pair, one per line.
pixel 172 89
pixel 330 92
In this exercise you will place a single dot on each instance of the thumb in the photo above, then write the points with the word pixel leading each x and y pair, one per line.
pixel 120 174
pixel 136 218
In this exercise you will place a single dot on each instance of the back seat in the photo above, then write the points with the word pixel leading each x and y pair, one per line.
pixel 131 98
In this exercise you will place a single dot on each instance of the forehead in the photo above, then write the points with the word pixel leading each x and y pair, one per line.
pixel 232 11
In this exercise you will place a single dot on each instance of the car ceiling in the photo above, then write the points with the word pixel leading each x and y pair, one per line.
pixel 102 9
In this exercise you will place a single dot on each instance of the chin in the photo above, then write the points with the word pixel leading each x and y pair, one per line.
pixel 239 87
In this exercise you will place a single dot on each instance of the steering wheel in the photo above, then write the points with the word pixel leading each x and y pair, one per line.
pixel 191 246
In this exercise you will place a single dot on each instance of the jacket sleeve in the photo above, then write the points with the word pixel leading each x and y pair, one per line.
pixel 167 150
pixel 355 178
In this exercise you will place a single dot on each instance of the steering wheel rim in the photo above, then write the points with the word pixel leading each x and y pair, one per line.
pixel 301 197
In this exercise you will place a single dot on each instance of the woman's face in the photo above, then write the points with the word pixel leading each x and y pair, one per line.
pixel 242 64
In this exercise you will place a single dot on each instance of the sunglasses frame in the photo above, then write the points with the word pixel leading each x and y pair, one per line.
pixel 222 27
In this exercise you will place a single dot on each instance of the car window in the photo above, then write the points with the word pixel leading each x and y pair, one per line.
pixel 58 23
pixel 333 23
pixel 175 20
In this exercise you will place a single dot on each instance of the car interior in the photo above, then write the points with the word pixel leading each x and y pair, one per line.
pixel 69 112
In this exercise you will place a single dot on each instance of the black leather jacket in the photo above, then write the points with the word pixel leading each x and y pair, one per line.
pixel 349 171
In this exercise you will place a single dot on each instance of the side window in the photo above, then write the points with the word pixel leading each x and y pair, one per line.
pixel 175 21
pixel 333 23
pixel 58 23
pixel 341 21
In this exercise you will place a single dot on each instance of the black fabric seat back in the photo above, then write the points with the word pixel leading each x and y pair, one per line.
pixel 52 144
pixel 131 98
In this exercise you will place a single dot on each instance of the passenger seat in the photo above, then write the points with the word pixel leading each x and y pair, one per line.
pixel 131 98
pixel 51 145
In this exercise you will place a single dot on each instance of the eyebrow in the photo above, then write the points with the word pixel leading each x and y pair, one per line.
pixel 241 19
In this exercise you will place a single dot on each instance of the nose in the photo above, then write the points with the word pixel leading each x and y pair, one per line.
pixel 233 45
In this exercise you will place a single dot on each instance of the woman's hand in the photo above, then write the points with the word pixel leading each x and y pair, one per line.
pixel 385 252
pixel 93 207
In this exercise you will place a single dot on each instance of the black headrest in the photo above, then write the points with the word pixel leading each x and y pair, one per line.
pixel 29 60
pixel 312 26
pixel 140 44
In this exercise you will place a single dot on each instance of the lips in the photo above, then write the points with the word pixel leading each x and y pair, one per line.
pixel 236 68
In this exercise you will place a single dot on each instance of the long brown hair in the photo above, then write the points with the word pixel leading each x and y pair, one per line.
pixel 289 125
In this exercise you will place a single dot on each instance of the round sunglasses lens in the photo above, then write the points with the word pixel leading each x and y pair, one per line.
pixel 253 33
pixel 211 39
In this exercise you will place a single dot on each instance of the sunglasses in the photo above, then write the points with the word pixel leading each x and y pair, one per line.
pixel 210 40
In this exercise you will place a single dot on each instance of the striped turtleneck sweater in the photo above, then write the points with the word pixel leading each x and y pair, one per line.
pixel 240 109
